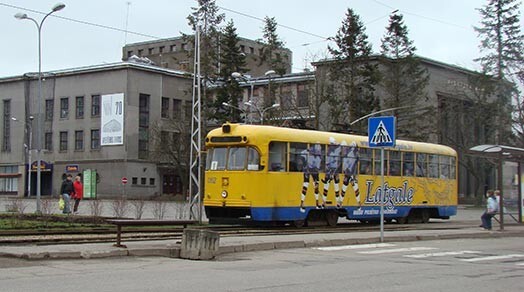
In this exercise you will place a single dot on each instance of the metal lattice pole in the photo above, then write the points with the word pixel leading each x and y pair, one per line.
pixel 195 173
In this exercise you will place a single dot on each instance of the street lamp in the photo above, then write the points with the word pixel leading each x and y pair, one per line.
pixel 29 148
pixel 252 82
pixel 22 16
pixel 263 111
pixel 235 107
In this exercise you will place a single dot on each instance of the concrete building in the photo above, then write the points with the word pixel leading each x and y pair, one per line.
pixel 75 102
pixel 174 53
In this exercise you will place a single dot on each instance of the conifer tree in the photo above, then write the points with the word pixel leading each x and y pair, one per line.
pixel 502 45
pixel 271 44
pixel 353 74
pixel 404 82
pixel 232 60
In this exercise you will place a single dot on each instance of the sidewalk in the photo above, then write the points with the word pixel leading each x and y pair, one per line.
pixel 171 248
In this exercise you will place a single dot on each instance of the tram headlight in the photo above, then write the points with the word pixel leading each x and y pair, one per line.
pixel 224 194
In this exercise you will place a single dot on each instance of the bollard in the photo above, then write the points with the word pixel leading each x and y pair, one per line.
pixel 199 244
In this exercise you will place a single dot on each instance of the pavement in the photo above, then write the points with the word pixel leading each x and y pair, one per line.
pixel 233 244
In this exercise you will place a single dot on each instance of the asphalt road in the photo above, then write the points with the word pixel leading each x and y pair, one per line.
pixel 451 265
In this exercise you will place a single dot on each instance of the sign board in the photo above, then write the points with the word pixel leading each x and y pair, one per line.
pixel 381 132
pixel 72 168
pixel 124 180
pixel 112 120
pixel 89 178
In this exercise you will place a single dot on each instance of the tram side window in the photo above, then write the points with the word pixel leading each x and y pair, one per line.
pixel 433 165
pixel 253 159
pixel 394 163
pixel 444 166
pixel 408 164
pixel 452 169
pixel 365 160
pixel 297 156
pixel 217 159
pixel 316 155
pixel 333 159
pixel 277 156
pixel 237 158
pixel 421 170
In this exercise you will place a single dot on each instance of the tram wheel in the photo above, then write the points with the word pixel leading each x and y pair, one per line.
pixel 299 223
pixel 402 220
pixel 424 216
pixel 331 218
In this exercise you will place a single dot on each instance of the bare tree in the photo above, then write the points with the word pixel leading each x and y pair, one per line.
pixel 95 207
pixel 138 207
pixel 159 208
pixel 119 207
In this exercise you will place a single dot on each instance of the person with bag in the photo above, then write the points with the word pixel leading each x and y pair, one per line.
pixel 491 210
pixel 66 190
pixel 78 192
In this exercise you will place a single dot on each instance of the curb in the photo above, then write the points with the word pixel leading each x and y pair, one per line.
pixel 174 251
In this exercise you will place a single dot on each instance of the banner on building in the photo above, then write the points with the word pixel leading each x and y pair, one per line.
pixel 112 120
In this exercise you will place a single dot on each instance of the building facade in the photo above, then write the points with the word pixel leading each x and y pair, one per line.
pixel 75 103
pixel 174 53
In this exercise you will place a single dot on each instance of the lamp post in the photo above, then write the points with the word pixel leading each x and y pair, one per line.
pixel 29 147
pixel 263 111
pixel 235 107
pixel 252 82
pixel 22 16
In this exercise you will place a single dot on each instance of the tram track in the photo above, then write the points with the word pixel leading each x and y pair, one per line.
pixel 98 235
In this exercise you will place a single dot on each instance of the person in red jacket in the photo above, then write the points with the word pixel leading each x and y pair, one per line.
pixel 78 193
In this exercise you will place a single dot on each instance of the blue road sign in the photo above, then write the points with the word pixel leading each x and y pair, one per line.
pixel 381 131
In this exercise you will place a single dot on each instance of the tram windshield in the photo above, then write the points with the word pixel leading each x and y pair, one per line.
pixel 233 158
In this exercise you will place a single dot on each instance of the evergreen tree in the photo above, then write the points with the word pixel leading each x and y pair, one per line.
pixel 501 39
pixel 271 44
pixel 232 60
pixel 502 43
pixel 353 74
pixel 404 82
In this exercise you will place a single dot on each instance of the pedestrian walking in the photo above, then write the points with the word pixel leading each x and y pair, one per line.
pixel 66 190
pixel 78 192
pixel 491 210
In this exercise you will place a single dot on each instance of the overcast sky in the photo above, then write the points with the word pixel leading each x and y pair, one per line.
pixel 442 30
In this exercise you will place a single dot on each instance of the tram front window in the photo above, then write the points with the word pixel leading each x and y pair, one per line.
pixel 216 159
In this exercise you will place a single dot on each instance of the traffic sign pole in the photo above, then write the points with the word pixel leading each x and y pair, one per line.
pixel 382 195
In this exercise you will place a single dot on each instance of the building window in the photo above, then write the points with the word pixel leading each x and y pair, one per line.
pixel 143 180
pixel 188 107
pixel 151 181
pixel 63 141
pixel 49 107
pixel 150 51
pixel 143 126
pixel 79 140
pixel 129 54
pixel 242 48
pixel 140 52
pixel 79 107
pixel 8 184
pixel 6 143
pixel 302 96
pixel 251 50
pixel 165 107
pixel 134 180
pixel 48 141
pixel 173 48
pixel 95 139
pixel 184 47
pixel 177 104
pixel 161 49
pixel 95 105
pixel 64 107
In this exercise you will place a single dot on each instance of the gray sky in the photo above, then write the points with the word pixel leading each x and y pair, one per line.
pixel 442 30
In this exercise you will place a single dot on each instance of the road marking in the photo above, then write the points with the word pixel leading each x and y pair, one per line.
pixel 441 254
pixel 520 264
pixel 357 246
pixel 493 258
pixel 395 250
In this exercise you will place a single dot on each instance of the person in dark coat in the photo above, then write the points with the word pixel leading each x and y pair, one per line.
pixel 67 190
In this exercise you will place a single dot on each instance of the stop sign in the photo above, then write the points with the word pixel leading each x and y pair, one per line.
pixel 124 180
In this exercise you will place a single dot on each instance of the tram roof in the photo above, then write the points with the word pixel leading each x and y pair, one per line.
pixel 259 134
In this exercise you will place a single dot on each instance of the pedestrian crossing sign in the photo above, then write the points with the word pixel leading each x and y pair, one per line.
pixel 381 131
